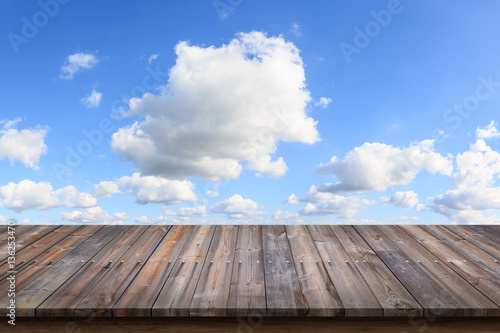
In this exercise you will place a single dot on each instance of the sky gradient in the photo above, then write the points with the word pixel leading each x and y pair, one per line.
pixel 337 112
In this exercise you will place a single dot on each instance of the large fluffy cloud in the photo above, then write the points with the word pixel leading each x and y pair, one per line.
pixel 222 107
pixel 149 189
pixel 376 166
pixel 26 145
pixel 236 207
pixel 27 195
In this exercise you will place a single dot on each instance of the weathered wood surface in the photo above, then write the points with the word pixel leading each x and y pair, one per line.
pixel 255 271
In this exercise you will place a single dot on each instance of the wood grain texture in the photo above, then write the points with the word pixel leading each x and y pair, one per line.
pixel 356 295
pixel 283 293
pixel 477 239
pixel 49 258
pixel 489 231
pixel 138 298
pixel 468 250
pixel 482 280
pixel 320 294
pixel 469 298
pixel 26 235
pixel 212 291
pixel 35 293
pixel 101 299
pixel 391 294
pixel 433 298
pixel 64 300
pixel 247 295
pixel 255 273
pixel 177 293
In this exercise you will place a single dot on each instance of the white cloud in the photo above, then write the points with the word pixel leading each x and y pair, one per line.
pixel 152 57
pixel 26 145
pixel 479 166
pixel 376 166
pixel 489 132
pixel 407 218
pixel 156 220
pixel 311 196
pixel 221 106
pixel 478 170
pixel 106 189
pixel 27 195
pixel 286 215
pixel 236 207
pixel 323 102
pixel 75 63
pixel 419 207
pixel 92 100
pixel 401 199
pixel 186 211
pixel 296 29
pixel 337 205
pixel 149 189
pixel 212 193
pixel 94 215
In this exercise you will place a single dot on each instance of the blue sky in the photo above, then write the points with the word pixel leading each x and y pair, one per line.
pixel 250 112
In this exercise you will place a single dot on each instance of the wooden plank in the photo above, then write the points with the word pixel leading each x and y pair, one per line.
pixel 47 259
pixel 30 252
pixel 481 258
pixel 64 300
pixel 320 295
pixel 29 298
pixel 247 296
pixel 391 294
pixel 283 294
pixel 357 297
pixel 432 297
pixel 477 239
pixel 25 235
pixel 19 230
pixel 138 298
pixel 101 299
pixel 487 283
pixel 212 292
pixel 177 293
pixel 488 231
pixel 469 298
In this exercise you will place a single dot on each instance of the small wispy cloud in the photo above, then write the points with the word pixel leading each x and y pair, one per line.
pixel 152 57
pixel 323 102
pixel 92 101
pixel 75 63
pixel 296 29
